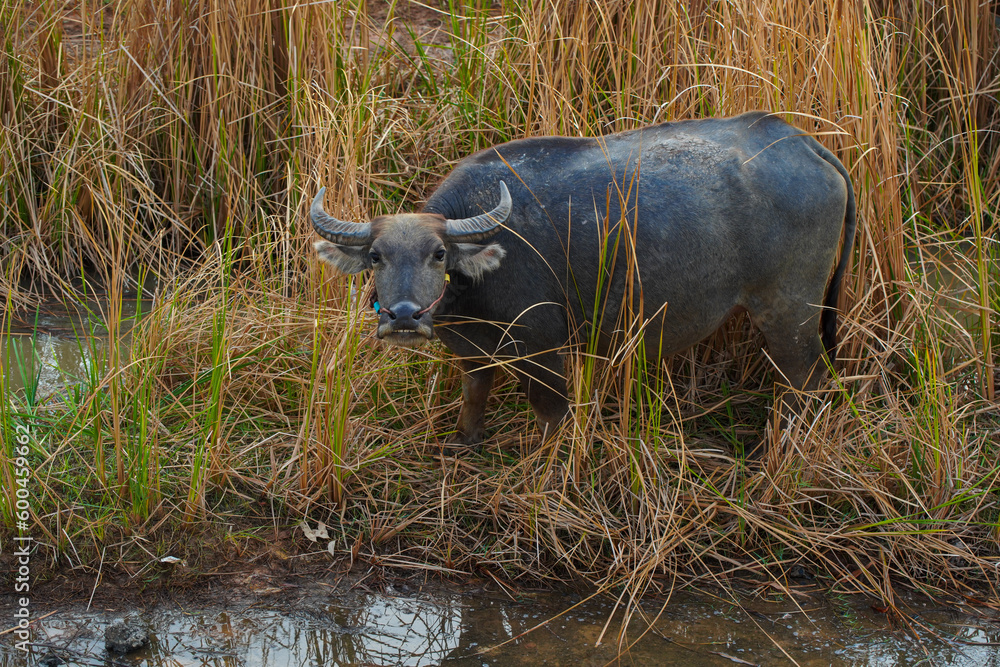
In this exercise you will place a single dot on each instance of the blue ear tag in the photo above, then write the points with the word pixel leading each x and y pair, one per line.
pixel 377 307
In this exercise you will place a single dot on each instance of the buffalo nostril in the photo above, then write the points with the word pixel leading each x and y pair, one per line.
pixel 405 315
pixel 405 310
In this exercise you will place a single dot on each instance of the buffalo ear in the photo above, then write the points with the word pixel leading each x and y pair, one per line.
pixel 347 259
pixel 474 260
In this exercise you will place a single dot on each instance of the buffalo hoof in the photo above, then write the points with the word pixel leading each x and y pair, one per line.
pixel 469 439
pixel 457 446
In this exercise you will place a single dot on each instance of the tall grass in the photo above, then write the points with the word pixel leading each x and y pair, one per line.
pixel 187 146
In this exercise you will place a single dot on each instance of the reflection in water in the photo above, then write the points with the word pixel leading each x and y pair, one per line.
pixel 46 363
pixel 454 630
pixel 57 346
pixel 378 631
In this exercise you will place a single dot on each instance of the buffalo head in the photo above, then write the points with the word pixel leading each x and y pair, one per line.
pixel 410 255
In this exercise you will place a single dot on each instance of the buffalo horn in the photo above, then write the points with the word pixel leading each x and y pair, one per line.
pixel 334 230
pixel 480 227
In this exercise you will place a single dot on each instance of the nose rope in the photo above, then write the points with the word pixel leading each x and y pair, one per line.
pixel 420 313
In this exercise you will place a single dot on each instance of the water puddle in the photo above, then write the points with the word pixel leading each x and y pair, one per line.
pixel 57 345
pixel 417 630
pixel 946 275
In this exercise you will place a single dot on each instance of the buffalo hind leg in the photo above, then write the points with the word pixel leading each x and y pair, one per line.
pixel 477 382
pixel 797 351
pixel 798 358
pixel 543 379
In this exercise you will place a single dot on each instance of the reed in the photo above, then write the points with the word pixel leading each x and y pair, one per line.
pixel 183 151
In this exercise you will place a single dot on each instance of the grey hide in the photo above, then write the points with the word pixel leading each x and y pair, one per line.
pixel 719 215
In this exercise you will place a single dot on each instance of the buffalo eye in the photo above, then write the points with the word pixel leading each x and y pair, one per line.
pixel 374 257
pixel 439 255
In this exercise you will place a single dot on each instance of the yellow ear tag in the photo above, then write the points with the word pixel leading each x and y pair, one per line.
pixel 447 277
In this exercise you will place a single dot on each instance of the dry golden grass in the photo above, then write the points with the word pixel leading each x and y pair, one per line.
pixel 186 150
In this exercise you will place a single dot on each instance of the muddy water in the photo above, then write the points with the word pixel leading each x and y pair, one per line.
pixel 57 345
pixel 412 629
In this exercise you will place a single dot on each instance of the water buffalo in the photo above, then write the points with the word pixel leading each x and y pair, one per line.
pixel 694 219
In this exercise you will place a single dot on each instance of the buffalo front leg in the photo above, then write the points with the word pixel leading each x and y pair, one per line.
pixel 477 381
pixel 543 380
